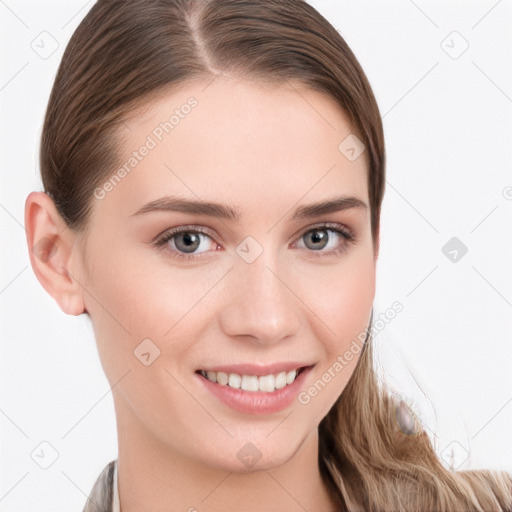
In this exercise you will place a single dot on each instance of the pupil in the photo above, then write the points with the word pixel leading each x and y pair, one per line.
pixel 189 241
pixel 318 236
pixel 188 238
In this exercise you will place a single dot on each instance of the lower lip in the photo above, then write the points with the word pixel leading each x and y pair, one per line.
pixel 257 402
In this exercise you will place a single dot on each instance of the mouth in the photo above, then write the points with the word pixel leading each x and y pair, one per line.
pixel 251 389
pixel 268 383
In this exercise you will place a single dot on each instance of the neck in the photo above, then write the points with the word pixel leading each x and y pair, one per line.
pixel 153 476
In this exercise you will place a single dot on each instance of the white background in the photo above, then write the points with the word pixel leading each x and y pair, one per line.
pixel 448 129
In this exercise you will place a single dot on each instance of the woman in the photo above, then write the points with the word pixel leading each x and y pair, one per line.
pixel 214 173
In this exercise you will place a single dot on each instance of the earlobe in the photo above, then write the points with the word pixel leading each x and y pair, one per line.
pixel 50 244
pixel 72 304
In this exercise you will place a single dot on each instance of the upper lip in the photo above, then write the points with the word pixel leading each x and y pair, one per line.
pixel 255 369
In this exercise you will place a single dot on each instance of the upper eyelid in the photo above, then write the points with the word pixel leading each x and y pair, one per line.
pixel 211 233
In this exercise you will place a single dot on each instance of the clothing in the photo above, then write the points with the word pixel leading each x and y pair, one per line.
pixel 104 496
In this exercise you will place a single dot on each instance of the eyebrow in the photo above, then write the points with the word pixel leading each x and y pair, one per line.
pixel 177 204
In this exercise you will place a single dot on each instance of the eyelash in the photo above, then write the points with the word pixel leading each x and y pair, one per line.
pixel 345 233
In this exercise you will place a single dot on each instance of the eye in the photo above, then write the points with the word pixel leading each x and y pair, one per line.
pixel 186 239
pixel 317 239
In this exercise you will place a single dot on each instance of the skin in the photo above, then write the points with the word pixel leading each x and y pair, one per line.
pixel 264 150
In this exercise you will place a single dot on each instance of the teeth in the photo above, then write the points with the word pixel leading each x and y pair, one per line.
pixel 249 383
pixel 266 383
pixel 280 380
pixel 234 380
pixel 222 378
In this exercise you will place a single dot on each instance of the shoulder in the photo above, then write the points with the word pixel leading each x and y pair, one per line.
pixel 100 497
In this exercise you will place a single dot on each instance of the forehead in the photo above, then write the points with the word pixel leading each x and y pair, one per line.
pixel 240 142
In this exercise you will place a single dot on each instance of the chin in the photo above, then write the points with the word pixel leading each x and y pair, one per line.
pixel 251 456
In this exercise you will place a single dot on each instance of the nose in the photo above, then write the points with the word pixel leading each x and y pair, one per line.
pixel 260 302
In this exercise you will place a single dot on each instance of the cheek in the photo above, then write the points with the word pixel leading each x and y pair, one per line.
pixel 133 298
pixel 128 287
pixel 353 299
pixel 342 297
pixel 344 306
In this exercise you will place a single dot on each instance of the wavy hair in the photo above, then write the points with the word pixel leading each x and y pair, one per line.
pixel 125 52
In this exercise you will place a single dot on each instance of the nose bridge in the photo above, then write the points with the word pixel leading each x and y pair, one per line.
pixel 260 303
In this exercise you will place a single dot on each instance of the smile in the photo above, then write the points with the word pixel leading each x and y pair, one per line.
pixel 254 389
pixel 268 383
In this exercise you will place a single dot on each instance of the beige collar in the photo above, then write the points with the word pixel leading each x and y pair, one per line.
pixel 115 493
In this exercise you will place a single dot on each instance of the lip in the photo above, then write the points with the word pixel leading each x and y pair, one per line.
pixel 256 402
pixel 258 370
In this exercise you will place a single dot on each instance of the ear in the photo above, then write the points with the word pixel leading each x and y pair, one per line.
pixel 50 243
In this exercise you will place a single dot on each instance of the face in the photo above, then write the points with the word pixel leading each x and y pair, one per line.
pixel 247 291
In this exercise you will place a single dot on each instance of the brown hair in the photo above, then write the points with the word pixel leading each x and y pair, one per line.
pixel 125 52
